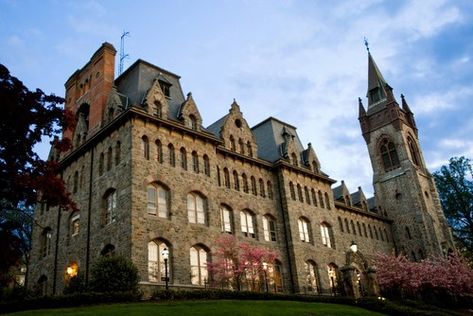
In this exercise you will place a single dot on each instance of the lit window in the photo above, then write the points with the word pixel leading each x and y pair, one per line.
pixel 226 219
pixel 157 200
pixel 75 224
pixel 247 222
pixel 325 232
pixel 195 208
pixel 269 228
pixel 198 260
pixel 303 229
pixel 156 266
pixel 311 276
pixel 332 276
pixel 110 206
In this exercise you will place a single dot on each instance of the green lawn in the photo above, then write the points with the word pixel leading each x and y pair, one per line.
pixel 221 307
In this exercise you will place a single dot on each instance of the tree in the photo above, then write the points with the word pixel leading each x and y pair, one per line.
pixel 26 117
pixel 234 264
pixel 455 187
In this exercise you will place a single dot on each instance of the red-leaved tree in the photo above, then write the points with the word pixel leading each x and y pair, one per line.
pixel 234 264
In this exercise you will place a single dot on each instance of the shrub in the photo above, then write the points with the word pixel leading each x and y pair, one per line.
pixel 114 274
pixel 75 285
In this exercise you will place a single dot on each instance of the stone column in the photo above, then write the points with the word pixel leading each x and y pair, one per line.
pixel 372 285
pixel 349 282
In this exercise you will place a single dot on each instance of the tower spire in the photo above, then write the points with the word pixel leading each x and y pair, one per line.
pixel 376 83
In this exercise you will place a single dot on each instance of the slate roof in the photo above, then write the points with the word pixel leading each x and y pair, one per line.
pixel 371 204
pixel 269 138
pixel 338 192
pixel 215 127
pixel 355 198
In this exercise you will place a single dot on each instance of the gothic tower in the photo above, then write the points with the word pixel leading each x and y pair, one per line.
pixel 404 187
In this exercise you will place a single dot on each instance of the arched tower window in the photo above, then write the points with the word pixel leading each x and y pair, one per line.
pixel 195 162
pixel 145 146
pixel 262 191
pixel 183 158
pixel 172 157
pixel 156 266
pixel 270 189
pixel 389 155
pixel 159 151
pixel 236 181
pixel 206 165
pixel 311 276
pixel 413 151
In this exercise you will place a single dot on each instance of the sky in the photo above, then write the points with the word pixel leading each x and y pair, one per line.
pixel 303 62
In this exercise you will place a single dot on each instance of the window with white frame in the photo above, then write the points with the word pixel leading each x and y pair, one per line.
pixel 157 197
pixel 156 266
pixel 304 229
pixel 75 224
pixel 198 261
pixel 195 208
pixel 325 233
pixel 269 228
pixel 226 219
pixel 311 276
pixel 247 220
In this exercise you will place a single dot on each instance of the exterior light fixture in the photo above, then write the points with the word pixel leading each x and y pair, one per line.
pixel 165 254
pixel 354 247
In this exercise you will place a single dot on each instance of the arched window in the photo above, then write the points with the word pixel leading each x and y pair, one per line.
pixel 172 157
pixel 326 232
pixel 389 155
pixel 118 152
pixel 346 226
pixel 247 221
pixel 193 122
pixel 158 200
pixel 219 180
pixel 359 228
pixel 245 183
pixel 299 193
pixel 294 159
pixel 198 260
pixel 353 230
pixel 321 199
pixel 159 151
pixel 109 158
pixel 46 239
pixel 101 162
pixel 332 276
pixel 375 233
pixel 226 218
pixel 371 232
pixel 413 151
pixel 307 196
pixel 242 146
pixel 75 182
pixel 156 266
pixel 311 277
pixel 81 177
pixel 159 109
pixel 42 285
pixel 249 149
pixel 206 165
pixel 340 224
pixel 226 177
pixel 304 229
pixel 275 276
pixel 262 190
pixel 327 201
pixel 387 237
pixel 381 234
pixel 195 162
pixel 236 181
pixel 110 212
pixel 364 230
pixel 74 224
pixel 232 143
pixel 183 158
pixel 314 196
pixel 269 228
pixel 270 189
pixel 292 191
pixel 196 208
pixel 108 250
pixel 145 146
pixel 253 186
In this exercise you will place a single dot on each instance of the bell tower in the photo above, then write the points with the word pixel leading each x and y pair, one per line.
pixel 403 186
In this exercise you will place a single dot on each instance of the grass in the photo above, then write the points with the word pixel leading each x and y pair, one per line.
pixel 207 308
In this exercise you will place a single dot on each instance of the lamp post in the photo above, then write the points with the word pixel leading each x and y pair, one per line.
pixel 165 254
pixel 354 247
pixel 265 268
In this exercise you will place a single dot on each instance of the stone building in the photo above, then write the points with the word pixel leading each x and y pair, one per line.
pixel 146 175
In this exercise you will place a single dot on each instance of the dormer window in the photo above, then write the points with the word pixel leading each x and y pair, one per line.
pixel 166 88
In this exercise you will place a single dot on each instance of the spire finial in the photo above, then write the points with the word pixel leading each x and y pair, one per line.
pixel 366 44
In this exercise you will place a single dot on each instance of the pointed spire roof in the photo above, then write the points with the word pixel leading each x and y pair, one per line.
pixel 375 78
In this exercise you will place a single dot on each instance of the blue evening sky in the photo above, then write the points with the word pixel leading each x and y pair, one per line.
pixel 303 62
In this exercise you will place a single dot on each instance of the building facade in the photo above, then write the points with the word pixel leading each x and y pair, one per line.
pixel 146 175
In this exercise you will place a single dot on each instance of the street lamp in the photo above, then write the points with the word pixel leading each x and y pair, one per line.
pixel 265 268
pixel 354 247
pixel 165 254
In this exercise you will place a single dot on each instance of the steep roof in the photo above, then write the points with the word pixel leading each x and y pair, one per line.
pixel 216 127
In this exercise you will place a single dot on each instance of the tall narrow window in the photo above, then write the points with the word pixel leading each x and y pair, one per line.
pixel 183 158
pixel 159 109
pixel 325 233
pixel 249 149
pixel 408 233
pixel 101 162
pixel 145 146
pixel 196 206
pixel 242 146
pixel 262 192
pixel 195 162
pixel 172 157
pixel 371 232
pixel 327 201
pixel 193 122
pixel 109 158
pixel 315 167
pixel 247 221
pixel 359 228
pixel 110 206
pixel 353 230
pixel 118 153
pixel 226 177
pixel 294 159
pixel 236 181
pixel 346 226
pixel 219 180
pixel 381 234
pixel 157 200
pixel 253 186
pixel 75 224
pixel 299 193
pixel 46 238
pixel 206 165
pixel 340 224
pixel 413 151
pixel 332 276
pixel 269 228
pixel 245 183
pixel 198 260
pixel 292 191
pixel 389 155
pixel 375 233
pixel 364 230
pixel 232 143
pixel 159 151
pixel 226 219
pixel 387 237
pixel 311 277
pixel 156 265
pixel 304 232
pixel 270 189
pixel 314 196
pixel 307 196
pixel 75 182
pixel 321 199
